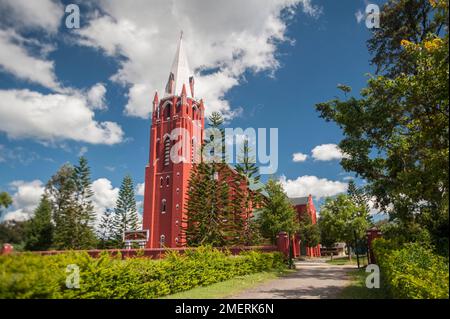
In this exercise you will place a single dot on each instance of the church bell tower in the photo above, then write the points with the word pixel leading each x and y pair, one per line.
pixel 177 128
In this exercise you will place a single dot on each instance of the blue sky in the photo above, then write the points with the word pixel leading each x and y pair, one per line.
pixel 308 47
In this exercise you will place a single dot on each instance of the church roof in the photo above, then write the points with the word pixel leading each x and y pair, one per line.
pixel 180 73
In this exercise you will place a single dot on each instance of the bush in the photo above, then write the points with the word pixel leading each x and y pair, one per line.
pixel 35 276
pixel 412 271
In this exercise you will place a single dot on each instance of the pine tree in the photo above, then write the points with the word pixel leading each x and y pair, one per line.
pixel 125 213
pixel 215 122
pixel 83 194
pixel 247 163
pixel 106 230
pixel 39 230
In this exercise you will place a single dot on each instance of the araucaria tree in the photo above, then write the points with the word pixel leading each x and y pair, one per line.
pixel 69 192
pixel 397 133
pixel 125 213
pixel 106 230
pixel 277 214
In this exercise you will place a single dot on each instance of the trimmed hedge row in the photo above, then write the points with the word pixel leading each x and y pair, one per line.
pixel 412 271
pixel 35 276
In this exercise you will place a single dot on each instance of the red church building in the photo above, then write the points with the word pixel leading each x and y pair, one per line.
pixel 177 116
pixel 305 205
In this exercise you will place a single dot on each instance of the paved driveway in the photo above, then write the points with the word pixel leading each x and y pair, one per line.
pixel 310 281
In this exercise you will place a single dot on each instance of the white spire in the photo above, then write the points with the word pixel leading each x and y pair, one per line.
pixel 180 73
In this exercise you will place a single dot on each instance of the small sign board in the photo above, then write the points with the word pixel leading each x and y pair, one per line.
pixel 136 236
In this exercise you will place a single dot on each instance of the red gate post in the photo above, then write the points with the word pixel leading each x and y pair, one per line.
pixel 372 234
pixel 283 243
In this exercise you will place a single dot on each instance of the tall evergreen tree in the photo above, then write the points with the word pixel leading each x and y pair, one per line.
pixel 106 230
pixel 215 122
pixel 125 213
pixel 84 193
pixel 39 230
pixel 277 214
pixel 73 229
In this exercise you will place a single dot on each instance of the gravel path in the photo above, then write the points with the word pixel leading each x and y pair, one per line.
pixel 310 281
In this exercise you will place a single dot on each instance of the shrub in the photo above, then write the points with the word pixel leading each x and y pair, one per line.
pixel 412 271
pixel 35 276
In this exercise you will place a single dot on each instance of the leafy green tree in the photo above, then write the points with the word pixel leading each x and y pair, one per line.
pixel 411 20
pixel 344 218
pixel 309 232
pixel 12 232
pixel 397 135
pixel 73 229
pixel 39 229
pixel 277 214
pixel 125 213
pixel 5 200
pixel 216 122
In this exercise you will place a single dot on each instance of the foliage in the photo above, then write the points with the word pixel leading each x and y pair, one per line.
pixel 397 134
pixel 12 232
pixel 309 232
pixel 5 200
pixel 39 230
pixel 412 271
pixel 125 214
pixel 210 213
pixel 411 20
pixel 73 222
pixel 35 276
pixel 106 230
pixel 341 219
pixel 277 214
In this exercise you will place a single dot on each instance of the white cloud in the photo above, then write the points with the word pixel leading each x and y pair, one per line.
pixel 327 152
pixel 15 59
pixel 317 187
pixel 223 40
pixel 105 196
pixel 140 189
pixel 96 97
pixel 53 117
pixel 299 157
pixel 83 150
pixel 359 15
pixel 41 14
pixel 25 199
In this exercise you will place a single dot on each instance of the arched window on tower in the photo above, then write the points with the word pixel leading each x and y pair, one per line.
pixel 161 182
pixel 178 107
pixel 167 151
pixel 193 150
pixel 163 206
pixel 162 240
pixel 167 181
pixel 167 110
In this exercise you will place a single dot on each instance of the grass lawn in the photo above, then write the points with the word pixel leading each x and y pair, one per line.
pixel 358 290
pixel 228 288
pixel 344 261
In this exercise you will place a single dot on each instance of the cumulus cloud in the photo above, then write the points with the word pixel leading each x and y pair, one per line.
pixel 96 97
pixel 223 40
pixel 105 196
pixel 15 59
pixel 317 187
pixel 26 197
pixel 53 117
pixel 41 14
pixel 140 189
pixel 299 157
pixel 327 152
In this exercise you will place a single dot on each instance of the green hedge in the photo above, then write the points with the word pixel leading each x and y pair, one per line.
pixel 412 271
pixel 35 276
